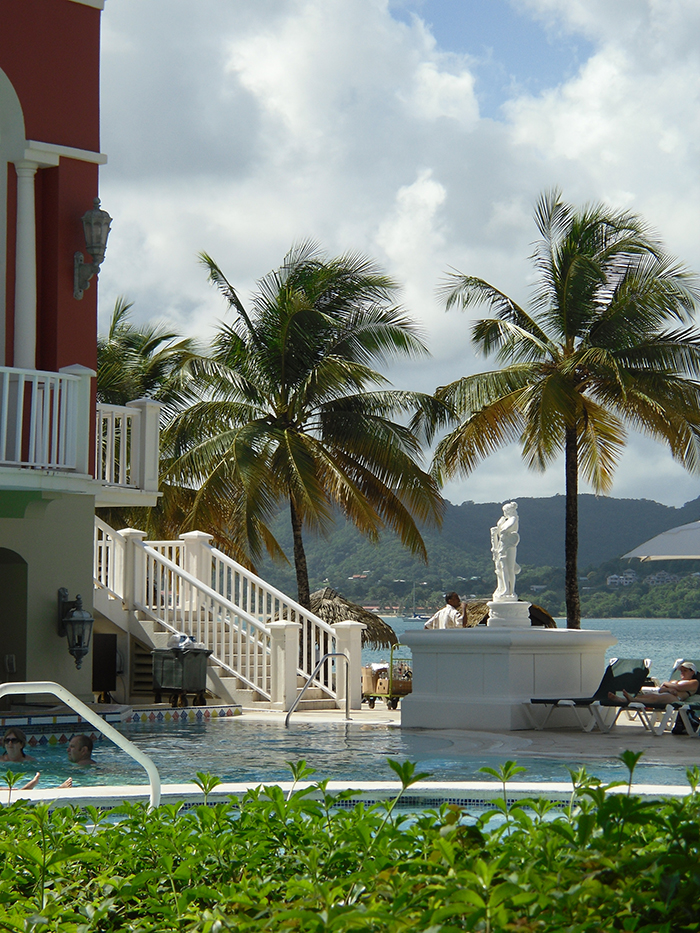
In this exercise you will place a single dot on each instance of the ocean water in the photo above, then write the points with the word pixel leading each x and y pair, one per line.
pixel 663 641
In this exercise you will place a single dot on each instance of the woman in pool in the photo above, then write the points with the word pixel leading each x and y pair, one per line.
pixel 14 742
pixel 670 691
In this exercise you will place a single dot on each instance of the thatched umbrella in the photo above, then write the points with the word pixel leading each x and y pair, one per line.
pixel 478 612
pixel 330 606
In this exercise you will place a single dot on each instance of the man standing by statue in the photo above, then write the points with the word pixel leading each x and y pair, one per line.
pixel 452 615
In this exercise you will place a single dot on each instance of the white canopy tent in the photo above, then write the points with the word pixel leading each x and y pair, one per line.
pixel 681 543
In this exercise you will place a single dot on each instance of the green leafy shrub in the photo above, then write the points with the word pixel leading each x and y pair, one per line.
pixel 300 862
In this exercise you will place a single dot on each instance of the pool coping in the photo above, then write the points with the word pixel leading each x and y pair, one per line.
pixel 422 795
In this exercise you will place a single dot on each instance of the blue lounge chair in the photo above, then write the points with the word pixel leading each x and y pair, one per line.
pixel 620 674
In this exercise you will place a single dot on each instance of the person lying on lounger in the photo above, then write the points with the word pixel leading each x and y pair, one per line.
pixel 670 691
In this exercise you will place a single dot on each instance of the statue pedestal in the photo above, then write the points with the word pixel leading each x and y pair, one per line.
pixel 479 678
pixel 508 612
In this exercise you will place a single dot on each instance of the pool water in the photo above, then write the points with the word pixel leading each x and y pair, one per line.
pixel 237 750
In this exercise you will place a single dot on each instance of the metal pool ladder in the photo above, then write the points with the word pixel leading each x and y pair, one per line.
pixel 330 654
pixel 95 720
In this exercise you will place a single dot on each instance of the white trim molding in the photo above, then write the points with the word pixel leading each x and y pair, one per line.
pixel 97 4
pixel 48 154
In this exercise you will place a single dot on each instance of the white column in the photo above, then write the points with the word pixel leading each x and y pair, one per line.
pixel 25 268
pixel 134 569
pixel 197 558
pixel 349 642
pixel 81 414
pixel 284 655
pixel 148 443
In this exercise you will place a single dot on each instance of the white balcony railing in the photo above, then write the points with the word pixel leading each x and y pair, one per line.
pixel 127 441
pixel 45 425
pixel 43 417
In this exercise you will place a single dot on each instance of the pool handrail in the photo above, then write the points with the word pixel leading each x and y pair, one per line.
pixel 329 654
pixel 89 715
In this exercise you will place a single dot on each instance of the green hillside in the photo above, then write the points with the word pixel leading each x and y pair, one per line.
pixel 459 554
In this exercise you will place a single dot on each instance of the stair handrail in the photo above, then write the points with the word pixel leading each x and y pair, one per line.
pixel 225 604
pixel 200 585
pixel 111 544
pixel 326 657
pixel 272 590
pixel 316 633
pixel 89 715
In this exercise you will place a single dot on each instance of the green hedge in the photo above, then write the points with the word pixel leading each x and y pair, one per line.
pixel 299 862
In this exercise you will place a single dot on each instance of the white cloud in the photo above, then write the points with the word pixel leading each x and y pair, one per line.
pixel 238 127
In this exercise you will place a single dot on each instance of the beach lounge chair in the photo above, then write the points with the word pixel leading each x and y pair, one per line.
pixel 657 719
pixel 597 710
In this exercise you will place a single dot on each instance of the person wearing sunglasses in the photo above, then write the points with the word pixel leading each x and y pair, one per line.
pixel 670 691
pixel 14 742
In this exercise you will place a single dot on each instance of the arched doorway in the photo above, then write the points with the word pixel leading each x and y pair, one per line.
pixel 13 617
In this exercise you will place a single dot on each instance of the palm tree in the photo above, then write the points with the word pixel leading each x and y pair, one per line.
pixel 133 362
pixel 291 409
pixel 151 361
pixel 608 339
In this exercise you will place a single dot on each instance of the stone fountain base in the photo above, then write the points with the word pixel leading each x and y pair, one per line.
pixel 479 678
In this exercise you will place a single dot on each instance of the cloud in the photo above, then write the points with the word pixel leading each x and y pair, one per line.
pixel 238 128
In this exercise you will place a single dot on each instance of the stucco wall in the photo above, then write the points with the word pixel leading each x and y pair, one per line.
pixel 55 538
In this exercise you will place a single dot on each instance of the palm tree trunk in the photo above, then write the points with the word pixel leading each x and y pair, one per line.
pixel 573 601
pixel 303 591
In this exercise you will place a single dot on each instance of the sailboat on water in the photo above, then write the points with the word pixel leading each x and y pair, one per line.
pixel 416 615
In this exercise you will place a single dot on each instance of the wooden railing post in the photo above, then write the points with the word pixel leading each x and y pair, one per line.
pixel 148 443
pixel 83 424
pixel 197 559
pixel 284 651
pixel 349 643
pixel 133 582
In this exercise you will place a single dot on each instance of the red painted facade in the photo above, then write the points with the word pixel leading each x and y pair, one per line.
pixel 49 51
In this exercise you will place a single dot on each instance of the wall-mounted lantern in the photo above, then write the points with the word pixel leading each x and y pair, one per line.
pixel 75 624
pixel 96 224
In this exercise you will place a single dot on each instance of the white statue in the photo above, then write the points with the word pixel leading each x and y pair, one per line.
pixel 504 543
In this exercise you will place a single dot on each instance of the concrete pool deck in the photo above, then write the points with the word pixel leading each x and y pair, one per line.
pixel 554 744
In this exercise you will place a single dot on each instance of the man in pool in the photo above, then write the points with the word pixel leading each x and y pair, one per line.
pixel 80 750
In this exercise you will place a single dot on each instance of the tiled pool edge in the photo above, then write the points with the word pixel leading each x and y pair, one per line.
pixel 424 795
pixel 58 728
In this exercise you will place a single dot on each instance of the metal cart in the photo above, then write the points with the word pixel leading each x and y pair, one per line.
pixel 180 671
pixel 387 681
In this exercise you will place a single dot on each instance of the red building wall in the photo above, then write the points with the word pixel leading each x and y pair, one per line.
pixel 49 49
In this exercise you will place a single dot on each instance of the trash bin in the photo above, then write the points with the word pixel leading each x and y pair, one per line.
pixel 180 671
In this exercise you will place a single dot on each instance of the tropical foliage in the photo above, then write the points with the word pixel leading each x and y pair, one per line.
pixel 304 861
pixel 152 361
pixel 608 340
pixel 133 362
pixel 291 408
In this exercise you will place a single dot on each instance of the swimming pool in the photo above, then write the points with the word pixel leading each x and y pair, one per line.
pixel 243 750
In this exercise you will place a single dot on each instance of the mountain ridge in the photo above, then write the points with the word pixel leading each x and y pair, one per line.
pixel 460 550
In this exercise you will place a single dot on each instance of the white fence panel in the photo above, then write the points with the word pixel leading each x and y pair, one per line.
pixel 117 439
pixel 268 604
pixel 38 419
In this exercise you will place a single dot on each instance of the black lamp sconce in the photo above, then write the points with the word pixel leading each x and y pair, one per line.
pixel 75 624
pixel 96 224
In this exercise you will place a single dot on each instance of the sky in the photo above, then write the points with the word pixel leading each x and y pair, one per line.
pixel 418 132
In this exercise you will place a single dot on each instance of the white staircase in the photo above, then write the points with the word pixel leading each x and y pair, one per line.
pixel 263 644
